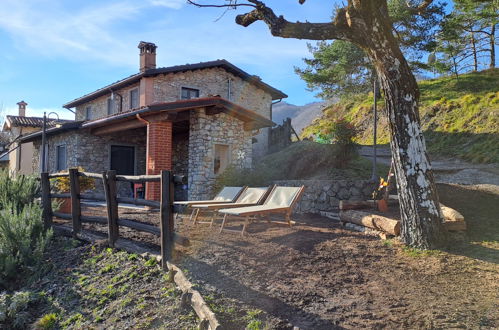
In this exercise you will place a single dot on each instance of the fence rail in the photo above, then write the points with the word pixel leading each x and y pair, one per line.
pixel 109 178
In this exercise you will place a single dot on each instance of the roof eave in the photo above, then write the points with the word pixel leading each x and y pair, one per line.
pixel 104 90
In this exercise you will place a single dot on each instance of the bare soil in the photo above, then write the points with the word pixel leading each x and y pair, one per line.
pixel 318 275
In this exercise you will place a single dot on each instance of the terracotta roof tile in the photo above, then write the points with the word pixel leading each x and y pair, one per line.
pixel 21 121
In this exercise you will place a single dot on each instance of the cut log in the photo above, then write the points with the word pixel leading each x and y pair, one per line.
pixel 367 219
pixel 450 214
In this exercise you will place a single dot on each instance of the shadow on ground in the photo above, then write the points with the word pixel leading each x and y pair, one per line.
pixel 481 213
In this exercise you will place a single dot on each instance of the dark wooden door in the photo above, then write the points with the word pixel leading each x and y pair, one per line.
pixel 123 160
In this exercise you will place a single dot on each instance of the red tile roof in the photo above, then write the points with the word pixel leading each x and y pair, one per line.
pixel 21 121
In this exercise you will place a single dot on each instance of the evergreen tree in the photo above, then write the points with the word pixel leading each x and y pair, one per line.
pixel 340 68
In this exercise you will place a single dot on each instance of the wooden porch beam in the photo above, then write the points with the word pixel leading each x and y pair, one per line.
pixel 135 123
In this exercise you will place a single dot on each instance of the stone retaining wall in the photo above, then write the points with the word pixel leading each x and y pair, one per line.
pixel 325 195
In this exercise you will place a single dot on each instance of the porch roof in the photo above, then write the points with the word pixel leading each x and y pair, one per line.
pixel 175 111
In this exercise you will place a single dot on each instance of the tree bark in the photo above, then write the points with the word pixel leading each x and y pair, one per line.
pixel 419 207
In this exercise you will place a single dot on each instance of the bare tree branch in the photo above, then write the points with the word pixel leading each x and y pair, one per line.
pixel 232 4
pixel 280 27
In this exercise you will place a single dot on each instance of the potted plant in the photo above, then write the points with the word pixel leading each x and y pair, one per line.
pixel 62 185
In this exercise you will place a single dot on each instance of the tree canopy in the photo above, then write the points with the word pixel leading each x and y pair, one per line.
pixel 340 68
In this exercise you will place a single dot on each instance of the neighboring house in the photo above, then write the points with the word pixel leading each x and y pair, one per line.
pixel 194 119
pixel 19 155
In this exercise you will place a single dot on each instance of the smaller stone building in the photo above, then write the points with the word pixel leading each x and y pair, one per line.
pixel 19 155
pixel 194 119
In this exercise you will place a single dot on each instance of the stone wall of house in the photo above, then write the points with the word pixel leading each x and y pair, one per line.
pixel 205 132
pixel 93 152
pixel 99 105
pixel 325 195
pixel 209 82
pixel 215 81
pixel 212 81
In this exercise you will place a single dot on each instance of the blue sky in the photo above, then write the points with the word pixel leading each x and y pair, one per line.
pixel 54 50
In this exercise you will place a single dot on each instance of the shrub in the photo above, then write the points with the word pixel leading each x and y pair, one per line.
pixel 62 184
pixel 342 134
pixel 17 191
pixel 23 237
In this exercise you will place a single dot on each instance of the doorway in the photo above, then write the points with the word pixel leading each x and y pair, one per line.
pixel 123 160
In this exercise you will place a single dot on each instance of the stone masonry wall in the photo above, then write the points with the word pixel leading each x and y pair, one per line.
pixel 214 81
pixel 93 152
pixel 209 82
pixel 205 132
pixel 325 195
pixel 99 105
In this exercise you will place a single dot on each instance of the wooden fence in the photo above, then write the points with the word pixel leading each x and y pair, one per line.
pixel 110 196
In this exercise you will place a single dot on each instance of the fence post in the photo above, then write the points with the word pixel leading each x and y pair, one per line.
pixel 46 201
pixel 74 185
pixel 109 181
pixel 166 217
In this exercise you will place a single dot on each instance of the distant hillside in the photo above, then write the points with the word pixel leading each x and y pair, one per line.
pixel 301 116
pixel 460 117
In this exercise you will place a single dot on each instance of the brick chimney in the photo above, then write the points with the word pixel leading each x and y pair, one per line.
pixel 22 108
pixel 147 55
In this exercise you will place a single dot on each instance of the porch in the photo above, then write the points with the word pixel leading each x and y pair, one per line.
pixel 198 138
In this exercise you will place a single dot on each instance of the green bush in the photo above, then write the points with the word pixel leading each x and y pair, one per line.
pixel 23 237
pixel 17 191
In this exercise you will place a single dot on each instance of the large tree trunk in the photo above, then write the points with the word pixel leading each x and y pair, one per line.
pixel 419 205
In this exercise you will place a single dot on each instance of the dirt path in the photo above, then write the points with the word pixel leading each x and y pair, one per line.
pixel 446 170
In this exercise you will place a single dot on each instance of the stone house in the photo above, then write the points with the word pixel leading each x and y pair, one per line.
pixel 19 155
pixel 194 119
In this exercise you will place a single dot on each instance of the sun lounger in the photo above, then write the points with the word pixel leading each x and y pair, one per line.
pixel 249 197
pixel 280 200
pixel 226 195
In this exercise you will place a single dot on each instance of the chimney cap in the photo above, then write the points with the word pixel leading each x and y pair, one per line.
pixel 147 47
pixel 22 103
